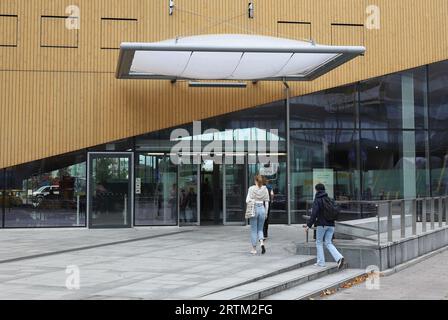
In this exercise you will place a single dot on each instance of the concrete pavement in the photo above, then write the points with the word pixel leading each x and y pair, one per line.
pixel 427 280
pixel 141 263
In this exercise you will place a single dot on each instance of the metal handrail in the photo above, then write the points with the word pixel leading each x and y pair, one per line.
pixel 418 208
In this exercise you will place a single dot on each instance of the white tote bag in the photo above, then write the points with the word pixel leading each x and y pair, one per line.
pixel 250 209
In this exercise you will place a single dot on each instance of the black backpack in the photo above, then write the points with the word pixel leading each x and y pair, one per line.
pixel 330 209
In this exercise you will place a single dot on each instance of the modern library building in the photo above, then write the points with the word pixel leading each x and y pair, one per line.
pixel 96 100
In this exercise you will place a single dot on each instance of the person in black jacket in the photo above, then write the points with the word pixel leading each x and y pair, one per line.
pixel 325 229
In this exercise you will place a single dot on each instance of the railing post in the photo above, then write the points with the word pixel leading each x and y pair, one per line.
pixel 403 219
pixel 431 214
pixel 414 216
pixel 379 209
pixel 446 211
pixel 440 212
pixel 77 210
pixel 389 221
pixel 424 207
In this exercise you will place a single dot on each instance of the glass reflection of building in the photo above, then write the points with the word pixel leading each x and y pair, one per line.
pixel 382 138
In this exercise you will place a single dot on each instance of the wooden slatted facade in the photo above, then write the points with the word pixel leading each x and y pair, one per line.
pixel 58 92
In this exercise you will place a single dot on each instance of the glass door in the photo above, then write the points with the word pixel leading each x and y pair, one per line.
pixel 187 195
pixel 234 194
pixel 110 190
pixel 211 193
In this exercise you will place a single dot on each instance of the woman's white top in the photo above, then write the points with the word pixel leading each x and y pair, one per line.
pixel 258 195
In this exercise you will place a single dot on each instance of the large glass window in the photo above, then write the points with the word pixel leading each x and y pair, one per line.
pixel 47 193
pixel 155 190
pixel 333 108
pixel 439 162
pixel 438 94
pixel 395 101
pixel 323 156
pixel 276 175
pixel 382 164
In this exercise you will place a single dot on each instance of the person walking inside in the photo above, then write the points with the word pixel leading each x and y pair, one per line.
pixel 259 195
pixel 268 185
pixel 323 215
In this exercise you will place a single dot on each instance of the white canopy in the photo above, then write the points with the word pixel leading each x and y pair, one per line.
pixel 231 57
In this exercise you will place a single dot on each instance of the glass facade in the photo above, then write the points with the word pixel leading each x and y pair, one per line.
pixel 47 193
pixel 380 139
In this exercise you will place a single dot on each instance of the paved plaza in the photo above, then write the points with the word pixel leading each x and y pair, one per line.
pixel 139 263
pixel 427 280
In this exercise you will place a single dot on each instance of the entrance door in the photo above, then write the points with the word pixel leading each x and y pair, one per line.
pixel 211 193
pixel 110 190
pixel 235 190
pixel 187 195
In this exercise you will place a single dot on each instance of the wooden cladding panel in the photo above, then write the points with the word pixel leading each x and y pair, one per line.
pixel 346 35
pixel 298 30
pixel 54 101
pixel 9 25
pixel 115 31
pixel 54 33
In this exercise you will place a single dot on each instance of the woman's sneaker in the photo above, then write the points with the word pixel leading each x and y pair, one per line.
pixel 253 252
pixel 263 249
pixel 341 263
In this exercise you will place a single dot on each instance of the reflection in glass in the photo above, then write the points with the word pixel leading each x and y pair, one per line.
pixel 211 193
pixel 438 94
pixel 331 155
pixel 394 101
pixel 235 193
pixel 156 190
pixel 277 177
pixel 47 193
pixel 110 200
pixel 332 108
pixel 187 194
pixel 439 162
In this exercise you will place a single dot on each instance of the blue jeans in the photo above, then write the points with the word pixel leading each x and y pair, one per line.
pixel 256 224
pixel 325 235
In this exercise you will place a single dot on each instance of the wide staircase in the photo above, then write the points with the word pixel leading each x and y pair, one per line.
pixel 298 281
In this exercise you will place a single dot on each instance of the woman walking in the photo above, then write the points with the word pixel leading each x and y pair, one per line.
pixel 259 195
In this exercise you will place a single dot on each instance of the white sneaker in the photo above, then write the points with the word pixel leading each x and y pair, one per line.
pixel 253 251
pixel 318 265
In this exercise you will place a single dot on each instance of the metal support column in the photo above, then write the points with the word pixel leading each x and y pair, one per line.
pixel 288 155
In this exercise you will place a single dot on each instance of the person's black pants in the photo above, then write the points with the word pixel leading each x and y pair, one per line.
pixel 266 224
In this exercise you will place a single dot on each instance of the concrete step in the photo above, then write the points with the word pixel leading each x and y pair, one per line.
pixel 252 275
pixel 271 285
pixel 314 288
